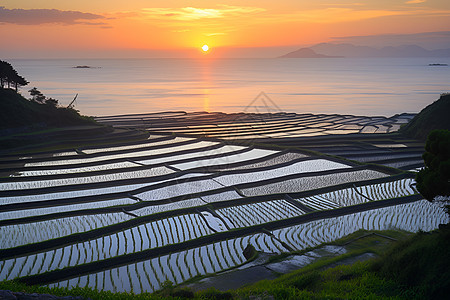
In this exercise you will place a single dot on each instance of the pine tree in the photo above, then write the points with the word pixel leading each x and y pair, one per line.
pixel 10 76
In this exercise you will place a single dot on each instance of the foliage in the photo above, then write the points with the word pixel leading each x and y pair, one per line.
pixel 9 76
pixel 38 97
pixel 433 180
pixel 16 111
pixel 434 116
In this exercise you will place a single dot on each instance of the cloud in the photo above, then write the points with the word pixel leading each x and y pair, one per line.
pixel 214 33
pixel 415 1
pixel 331 15
pixel 193 13
pixel 47 16
pixel 342 4
pixel 347 14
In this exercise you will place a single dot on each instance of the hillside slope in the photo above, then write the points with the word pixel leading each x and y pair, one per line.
pixel 16 111
pixel 434 116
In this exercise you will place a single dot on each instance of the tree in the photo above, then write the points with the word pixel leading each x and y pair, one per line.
pixel 37 95
pixel 6 72
pixel 40 98
pixel 10 76
pixel 18 80
pixel 434 179
pixel 3 72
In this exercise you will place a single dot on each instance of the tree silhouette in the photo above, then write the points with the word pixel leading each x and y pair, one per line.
pixel 9 76
pixel 434 179
pixel 51 102
pixel 36 95
pixel 40 98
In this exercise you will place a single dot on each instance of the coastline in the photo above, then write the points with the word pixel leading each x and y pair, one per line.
pixel 298 85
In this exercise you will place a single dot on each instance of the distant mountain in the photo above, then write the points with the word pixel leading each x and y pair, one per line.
pixel 349 50
pixel 305 53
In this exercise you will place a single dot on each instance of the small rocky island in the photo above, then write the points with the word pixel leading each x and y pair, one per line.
pixel 85 67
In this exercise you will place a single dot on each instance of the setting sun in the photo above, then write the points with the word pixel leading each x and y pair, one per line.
pixel 181 153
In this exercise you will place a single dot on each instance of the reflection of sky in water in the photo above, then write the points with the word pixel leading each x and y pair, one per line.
pixel 383 86
pixel 180 266
pixel 420 215
pixel 311 183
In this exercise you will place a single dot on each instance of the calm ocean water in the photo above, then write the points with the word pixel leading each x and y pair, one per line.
pixel 379 86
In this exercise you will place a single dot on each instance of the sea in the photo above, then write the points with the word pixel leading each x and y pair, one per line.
pixel 351 86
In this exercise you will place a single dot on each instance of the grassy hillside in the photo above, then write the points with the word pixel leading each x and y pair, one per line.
pixel 434 116
pixel 421 262
pixel 16 111
pixel 25 123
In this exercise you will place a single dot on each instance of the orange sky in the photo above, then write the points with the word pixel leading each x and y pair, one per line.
pixel 54 28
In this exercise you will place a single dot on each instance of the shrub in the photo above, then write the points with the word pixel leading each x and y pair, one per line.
pixel 433 180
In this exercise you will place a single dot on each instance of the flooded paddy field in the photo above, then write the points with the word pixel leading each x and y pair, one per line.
pixel 129 216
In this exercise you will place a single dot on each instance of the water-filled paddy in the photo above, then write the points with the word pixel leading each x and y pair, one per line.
pixel 174 208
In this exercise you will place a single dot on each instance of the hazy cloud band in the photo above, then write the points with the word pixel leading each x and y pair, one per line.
pixel 46 16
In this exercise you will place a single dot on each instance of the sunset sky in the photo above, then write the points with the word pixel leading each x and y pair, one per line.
pixel 139 28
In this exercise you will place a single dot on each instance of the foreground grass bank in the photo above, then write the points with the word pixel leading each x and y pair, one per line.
pixel 415 267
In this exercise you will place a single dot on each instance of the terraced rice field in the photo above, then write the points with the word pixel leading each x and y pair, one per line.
pixel 359 138
pixel 128 217
pixel 257 126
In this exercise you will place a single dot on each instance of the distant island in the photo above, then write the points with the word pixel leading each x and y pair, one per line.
pixel 85 67
pixel 329 50
pixel 306 53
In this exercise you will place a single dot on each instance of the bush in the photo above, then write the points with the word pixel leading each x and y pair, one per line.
pixel 433 180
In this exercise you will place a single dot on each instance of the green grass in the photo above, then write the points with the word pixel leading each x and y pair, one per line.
pixel 422 261
pixel 84 292
pixel 341 282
